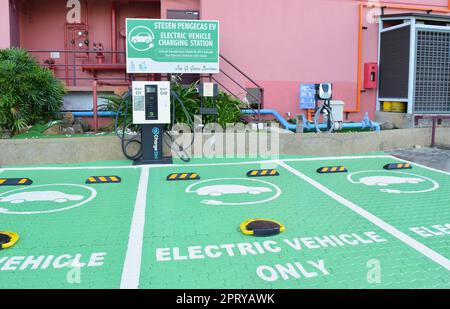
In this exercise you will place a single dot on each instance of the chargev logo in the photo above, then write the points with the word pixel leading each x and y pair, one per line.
pixel 374 11
pixel 155 132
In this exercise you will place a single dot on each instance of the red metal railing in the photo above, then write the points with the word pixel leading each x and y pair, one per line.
pixel 88 72
pixel 76 69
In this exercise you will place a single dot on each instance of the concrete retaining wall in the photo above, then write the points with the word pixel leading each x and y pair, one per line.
pixel 443 137
pixel 405 121
pixel 60 150
pixel 74 150
pixel 351 143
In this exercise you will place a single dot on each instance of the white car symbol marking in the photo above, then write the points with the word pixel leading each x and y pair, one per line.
pixel 385 181
pixel 219 190
pixel 40 196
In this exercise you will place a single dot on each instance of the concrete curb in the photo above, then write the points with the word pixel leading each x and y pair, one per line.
pixel 102 148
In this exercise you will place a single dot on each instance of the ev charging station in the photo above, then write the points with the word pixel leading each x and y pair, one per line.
pixel 156 55
pixel 151 109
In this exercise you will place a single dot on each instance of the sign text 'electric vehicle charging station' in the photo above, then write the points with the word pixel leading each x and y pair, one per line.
pixel 172 46
pixel 164 46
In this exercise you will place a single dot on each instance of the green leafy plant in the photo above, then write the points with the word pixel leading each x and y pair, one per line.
pixel 29 93
pixel 227 106
pixel 227 109
pixel 189 96
pixel 123 105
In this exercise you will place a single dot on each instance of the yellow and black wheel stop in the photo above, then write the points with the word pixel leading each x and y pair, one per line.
pixel 183 176
pixel 261 227
pixel 397 166
pixel 263 173
pixel 332 169
pixel 103 179
pixel 15 182
pixel 8 239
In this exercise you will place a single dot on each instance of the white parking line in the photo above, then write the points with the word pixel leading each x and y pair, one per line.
pixel 132 265
pixel 63 168
pixel 421 248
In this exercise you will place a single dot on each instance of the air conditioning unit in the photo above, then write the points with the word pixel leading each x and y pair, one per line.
pixel 414 62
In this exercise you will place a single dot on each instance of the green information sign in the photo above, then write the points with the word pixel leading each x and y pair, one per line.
pixel 172 46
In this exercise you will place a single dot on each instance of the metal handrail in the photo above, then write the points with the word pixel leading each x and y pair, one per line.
pixel 234 95
pixel 259 101
pixel 239 85
pixel 237 69
pixel 75 67
pixel 226 89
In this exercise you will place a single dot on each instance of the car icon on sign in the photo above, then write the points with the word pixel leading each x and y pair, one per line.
pixel 40 196
pixel 219 190
pixel 142 37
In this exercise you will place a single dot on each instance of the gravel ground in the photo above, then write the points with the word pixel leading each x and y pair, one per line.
pixel 431 157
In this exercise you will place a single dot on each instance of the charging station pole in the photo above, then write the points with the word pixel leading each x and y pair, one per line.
pixel 146 53
pixel 152 145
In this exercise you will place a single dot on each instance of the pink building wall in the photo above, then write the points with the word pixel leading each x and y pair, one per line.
pixel 42 25
pixel 281 44
pixel 278 43
pixel 39 17
pixel 5 38
pixel 191 5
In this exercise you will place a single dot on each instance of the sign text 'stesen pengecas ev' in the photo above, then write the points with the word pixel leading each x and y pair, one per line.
pixel 172 46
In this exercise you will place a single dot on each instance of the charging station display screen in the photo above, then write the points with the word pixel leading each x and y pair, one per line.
pixel 151 102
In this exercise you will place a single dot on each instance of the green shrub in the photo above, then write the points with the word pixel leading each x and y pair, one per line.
pixel 227 106
pixel 189 96
pixel 123 105
pixel 29 94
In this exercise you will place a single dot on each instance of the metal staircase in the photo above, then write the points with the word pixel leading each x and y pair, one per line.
pixel 235 82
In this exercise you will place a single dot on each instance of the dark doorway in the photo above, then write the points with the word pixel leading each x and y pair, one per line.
pixel 177 14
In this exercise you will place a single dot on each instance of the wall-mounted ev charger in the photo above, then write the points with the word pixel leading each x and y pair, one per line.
pixel 324 91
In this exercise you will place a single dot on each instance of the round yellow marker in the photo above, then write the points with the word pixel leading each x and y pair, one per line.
pixel 8 239
pixel 261 227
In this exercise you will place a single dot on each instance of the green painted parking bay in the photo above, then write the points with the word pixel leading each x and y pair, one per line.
pixel 367 228
pixel 87 234
pixel 196 239
pixel 417 203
